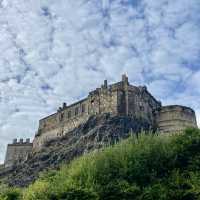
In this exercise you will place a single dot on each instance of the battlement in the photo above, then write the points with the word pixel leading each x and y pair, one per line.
pixel 21 141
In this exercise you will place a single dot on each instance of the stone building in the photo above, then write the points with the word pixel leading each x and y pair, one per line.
pixel 118 99
pixel 17 152
pixel 175 118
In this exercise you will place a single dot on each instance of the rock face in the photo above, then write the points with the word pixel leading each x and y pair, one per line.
pixel 99 131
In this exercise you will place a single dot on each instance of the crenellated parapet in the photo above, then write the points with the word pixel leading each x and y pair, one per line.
pixel 21 141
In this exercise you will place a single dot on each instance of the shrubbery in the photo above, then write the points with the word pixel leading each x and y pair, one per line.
pixel 7 193
pixel 149 167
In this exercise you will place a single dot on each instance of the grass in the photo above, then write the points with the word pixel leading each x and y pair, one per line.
pixel 148 167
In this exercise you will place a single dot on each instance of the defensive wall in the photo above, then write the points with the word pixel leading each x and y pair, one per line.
pixel 175 118
pixel 17 152
pixel 118 99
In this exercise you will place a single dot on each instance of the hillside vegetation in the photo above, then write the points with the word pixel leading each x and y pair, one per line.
pixel 147 167
pixel 98 132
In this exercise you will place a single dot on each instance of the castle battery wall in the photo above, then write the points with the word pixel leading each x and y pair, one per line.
pixel 119 98
pixel 175 118
pixel 101 100
pixel 17 152
pixel 142 105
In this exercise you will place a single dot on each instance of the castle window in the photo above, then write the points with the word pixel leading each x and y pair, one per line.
pixel 76 111
pixel 61 116
pixel 142 108
pixel 83 108
pixel 69 114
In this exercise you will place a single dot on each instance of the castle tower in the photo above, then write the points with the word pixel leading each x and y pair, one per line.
pixel 17 152
pixel 175 118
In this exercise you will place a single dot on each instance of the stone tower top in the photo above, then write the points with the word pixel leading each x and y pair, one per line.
pixel 125 79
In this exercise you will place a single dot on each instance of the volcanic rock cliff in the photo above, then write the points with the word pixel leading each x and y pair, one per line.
pixel 99 131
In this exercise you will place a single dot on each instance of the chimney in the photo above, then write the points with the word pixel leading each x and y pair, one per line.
pixel 105 84
pixel 125 79
pixel 64 105
pixel 59 109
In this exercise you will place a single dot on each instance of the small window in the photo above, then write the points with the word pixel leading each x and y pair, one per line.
pixel 83 108
pixel 69 114
pixel 76 111
pixel 142 108
pixel 61 116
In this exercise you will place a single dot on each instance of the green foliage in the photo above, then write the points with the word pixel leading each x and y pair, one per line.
pixel 8 193
pixel 75 194
pixel 147 167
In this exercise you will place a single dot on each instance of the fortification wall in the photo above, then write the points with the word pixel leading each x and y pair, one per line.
pixel 67 118
pixel 120 98
pixel 175 118
pixel 142 104
pixel 17 152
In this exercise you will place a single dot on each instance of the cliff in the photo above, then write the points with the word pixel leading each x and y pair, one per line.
pixel 99 131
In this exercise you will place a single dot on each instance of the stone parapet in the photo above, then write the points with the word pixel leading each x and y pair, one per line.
pixel 175 118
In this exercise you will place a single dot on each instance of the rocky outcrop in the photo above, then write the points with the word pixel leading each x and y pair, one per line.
pixel 99 131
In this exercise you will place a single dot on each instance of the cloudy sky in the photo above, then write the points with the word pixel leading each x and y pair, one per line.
pixel 54 51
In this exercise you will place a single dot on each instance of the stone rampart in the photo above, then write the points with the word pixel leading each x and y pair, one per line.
pixel 17 152
pixel 175 118
pixel 119 99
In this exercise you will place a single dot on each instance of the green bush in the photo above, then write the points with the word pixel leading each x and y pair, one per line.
pixel 76 194
pixel 9 193
pixel 40 190
pixel 147 167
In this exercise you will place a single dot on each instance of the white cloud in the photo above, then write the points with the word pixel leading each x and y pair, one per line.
pixel 55 51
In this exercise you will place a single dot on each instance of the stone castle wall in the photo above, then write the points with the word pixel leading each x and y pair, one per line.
pixel 67 118
pixel 175 118
pixel 17 152
pixel 142 104
pixel 118 99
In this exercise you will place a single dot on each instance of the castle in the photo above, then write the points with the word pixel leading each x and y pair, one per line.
pixel 118 99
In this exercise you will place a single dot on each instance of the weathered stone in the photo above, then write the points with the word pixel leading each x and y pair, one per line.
pixel 117 99
pixel 99 131
pixel 17 152
pixel 108 114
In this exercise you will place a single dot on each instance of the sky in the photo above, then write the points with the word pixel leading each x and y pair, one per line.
pixel 54 51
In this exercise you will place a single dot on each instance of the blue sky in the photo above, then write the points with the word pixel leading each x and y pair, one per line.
pixel 55 51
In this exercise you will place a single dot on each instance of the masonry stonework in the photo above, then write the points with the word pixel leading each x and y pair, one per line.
pixel 175 118
pixel 118 99
pixel 17 152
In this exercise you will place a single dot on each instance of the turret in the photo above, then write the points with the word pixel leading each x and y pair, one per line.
pixel 125 79
pixel 17 151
